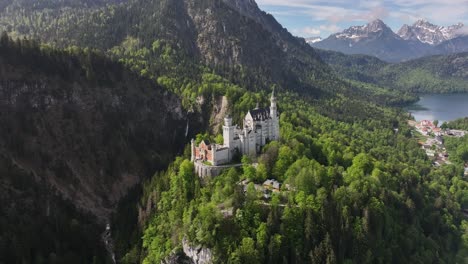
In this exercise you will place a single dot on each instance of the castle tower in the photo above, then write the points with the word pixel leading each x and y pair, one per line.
pixel 274 126
pixel 273 107
pixel 192 142
pixel 214 161
pixel 228 132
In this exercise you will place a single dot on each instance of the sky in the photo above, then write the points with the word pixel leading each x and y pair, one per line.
pixel 309 18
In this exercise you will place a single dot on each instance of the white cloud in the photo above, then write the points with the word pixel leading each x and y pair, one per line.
pixel 324 16
pixel 315 31
pixel 330 28
pixel 307 32
pixel 334 11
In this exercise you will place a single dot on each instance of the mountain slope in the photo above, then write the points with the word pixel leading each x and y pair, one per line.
pixel 455 45
pixel 179 38
pixel 78 131
pixel 247 40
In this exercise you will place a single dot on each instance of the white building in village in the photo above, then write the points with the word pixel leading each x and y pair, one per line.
pixel 261 125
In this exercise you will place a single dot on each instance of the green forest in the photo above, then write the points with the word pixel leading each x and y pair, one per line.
pixel 358 192
pixel 461 123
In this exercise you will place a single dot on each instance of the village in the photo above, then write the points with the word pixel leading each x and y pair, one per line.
pixel 431 139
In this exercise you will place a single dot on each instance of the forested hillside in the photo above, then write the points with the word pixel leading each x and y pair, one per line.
pixel 434 74
pixel 185 24
pixel 461 123
pixel 78 131
pixel 247 47
pixel 355 191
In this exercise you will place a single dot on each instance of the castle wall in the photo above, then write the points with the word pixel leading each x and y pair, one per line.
pixel 252 142
pixel 222 156
pixel 207 171
pixel 209 155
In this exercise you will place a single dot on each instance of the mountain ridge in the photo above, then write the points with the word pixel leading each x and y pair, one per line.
pixel 410 42
pixel 429 33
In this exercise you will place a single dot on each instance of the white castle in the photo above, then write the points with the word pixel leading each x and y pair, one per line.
pixel 261 125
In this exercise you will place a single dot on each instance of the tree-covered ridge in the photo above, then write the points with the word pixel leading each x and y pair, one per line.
pixel 356 191
pixel 435 74
pixel 184 23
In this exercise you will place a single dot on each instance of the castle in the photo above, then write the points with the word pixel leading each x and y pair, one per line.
pixel 261 125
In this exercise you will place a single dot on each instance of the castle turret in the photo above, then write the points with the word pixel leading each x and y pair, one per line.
pixel 214 161
pixel 273 107
pixel 274 127
pixel 228 132
pixel 192 142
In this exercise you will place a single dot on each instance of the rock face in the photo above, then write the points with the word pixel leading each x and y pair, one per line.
pixel 89 142
pixel 198 254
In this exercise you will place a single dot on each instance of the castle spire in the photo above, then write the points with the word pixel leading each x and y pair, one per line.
pixel 273 99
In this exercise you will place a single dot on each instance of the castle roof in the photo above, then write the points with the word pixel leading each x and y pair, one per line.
pixel 260 114
pixel 205 143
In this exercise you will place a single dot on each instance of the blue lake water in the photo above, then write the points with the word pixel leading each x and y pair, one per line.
pixel 442 107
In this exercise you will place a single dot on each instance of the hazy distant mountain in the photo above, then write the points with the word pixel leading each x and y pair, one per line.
pixel 429 33
pixel 456 45
pixel 375 39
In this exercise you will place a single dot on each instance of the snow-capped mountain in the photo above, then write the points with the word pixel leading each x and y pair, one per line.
pixel 418 40
pixel 429 33
pixel 375 29
pixel 375 39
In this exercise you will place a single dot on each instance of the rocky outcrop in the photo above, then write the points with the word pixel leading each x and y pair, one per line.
pixel 220 110
pixel 198 254
pixel 177 258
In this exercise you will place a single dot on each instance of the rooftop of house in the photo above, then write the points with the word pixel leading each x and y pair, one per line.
pixel 273 183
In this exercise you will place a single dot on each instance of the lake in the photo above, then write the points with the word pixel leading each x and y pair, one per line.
pixel 442 107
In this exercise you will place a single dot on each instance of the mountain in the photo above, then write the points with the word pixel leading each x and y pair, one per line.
pixel 239 30
pixel 411 42
pixel 429 33
pixel 375 39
